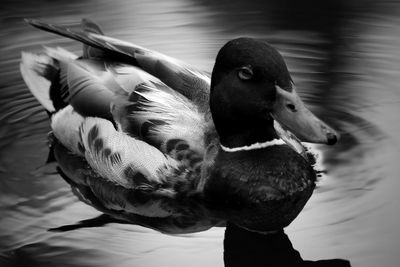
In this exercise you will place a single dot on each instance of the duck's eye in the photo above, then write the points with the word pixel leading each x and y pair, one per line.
pixel 245 73
pixel 291 107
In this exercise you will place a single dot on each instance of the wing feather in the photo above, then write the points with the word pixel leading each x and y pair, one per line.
pixel 120 158
pixel 187 80
pixel 88 95
pixel 128 77
pixel 157 115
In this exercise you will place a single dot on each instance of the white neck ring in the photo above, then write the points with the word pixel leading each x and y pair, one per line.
pixel 253 146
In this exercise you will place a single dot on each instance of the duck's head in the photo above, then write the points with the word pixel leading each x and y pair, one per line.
pixel 250 88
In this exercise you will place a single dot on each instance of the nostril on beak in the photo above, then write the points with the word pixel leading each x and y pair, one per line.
pixel 332 138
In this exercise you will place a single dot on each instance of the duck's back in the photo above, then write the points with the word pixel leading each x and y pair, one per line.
pixel 127 143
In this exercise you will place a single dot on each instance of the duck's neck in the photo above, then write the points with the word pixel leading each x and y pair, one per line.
pixel 246 136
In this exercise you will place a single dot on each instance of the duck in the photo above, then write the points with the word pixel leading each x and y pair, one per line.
pixel 149 140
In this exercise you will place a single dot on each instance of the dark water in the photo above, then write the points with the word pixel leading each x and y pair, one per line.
pixel 345 59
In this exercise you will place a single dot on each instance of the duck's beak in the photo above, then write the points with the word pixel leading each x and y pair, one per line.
pixel 290 111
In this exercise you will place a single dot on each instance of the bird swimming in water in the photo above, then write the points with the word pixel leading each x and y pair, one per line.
pixel 147 139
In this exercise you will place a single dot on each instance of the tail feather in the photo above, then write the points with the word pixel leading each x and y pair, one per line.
pixel 37 71
pixel 41 73
pixel 59 90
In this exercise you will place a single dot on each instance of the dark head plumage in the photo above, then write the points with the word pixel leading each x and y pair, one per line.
pixel 265 60
pixel 243 90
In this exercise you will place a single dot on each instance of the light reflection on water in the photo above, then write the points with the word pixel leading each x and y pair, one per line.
pixel 346 65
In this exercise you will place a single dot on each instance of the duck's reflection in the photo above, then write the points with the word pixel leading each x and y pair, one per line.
pixel 243 248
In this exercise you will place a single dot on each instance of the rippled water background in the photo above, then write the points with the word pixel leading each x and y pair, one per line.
pixel 345 59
